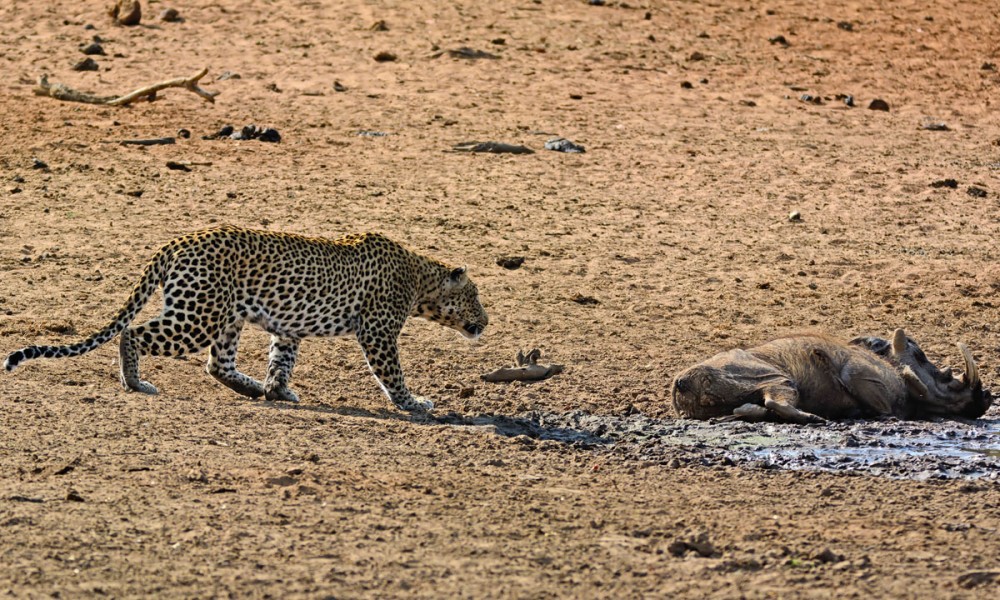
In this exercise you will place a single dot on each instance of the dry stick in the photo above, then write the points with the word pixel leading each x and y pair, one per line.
pixel 63 92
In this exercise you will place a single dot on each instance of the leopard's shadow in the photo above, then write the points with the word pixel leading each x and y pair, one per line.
pixel 532 427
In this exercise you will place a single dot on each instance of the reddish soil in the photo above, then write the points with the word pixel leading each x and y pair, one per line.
pixel 676 220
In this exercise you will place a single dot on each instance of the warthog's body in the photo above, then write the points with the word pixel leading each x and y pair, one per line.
pixel 812 377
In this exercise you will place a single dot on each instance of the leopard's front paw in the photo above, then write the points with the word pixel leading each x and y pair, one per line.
pixel 414 404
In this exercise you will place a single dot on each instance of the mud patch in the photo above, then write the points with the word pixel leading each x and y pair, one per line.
pixel 917 450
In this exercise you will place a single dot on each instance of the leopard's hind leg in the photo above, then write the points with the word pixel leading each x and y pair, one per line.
pixel 222 362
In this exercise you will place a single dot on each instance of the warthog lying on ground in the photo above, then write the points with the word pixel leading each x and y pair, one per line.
pixel 812 377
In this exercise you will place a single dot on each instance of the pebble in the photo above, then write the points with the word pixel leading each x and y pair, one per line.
pixel 879 104
pixel 170 15
pixel 87 64
pixel 385 57
pixel 510 262
pixel 976 192
pixel 564 145
pixel 945 183
pixel 93 49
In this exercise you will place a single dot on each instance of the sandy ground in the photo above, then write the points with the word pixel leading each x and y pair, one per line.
pixel 675 221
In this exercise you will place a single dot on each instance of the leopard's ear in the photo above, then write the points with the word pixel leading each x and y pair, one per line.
pixel 457 278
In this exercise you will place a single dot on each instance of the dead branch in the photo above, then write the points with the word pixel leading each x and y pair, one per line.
pixel 63 92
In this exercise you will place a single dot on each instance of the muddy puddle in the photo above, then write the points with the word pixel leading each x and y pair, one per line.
pixel 891 448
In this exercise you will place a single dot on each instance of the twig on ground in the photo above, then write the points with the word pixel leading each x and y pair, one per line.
pixel 62 92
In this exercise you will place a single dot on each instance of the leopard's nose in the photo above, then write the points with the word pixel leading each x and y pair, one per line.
pixel 473 328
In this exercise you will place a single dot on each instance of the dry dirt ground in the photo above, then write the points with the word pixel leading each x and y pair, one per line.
pixel 675 220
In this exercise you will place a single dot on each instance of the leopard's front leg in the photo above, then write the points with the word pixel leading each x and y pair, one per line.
pixel 379 344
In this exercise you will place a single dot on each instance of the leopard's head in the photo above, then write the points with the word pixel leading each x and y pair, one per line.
pixel 455 303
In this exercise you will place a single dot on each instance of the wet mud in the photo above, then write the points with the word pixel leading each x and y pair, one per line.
pixel 918 450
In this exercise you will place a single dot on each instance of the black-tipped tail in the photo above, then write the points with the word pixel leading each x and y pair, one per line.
pixel 16 358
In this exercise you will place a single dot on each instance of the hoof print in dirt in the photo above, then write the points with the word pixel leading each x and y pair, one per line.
pixel 526 369
pixel 126 12
pixel 809 378
pixel 491 148
pixel 564 145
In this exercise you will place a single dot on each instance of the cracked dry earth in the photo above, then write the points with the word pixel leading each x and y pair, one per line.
pixel 666 242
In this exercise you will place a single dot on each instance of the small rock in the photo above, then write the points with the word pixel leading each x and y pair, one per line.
pixel 224 132
pixel 269 134
pixel 879 104
pixel 126 12
pixel 935 127
pixel 585 300
pixel 945 183
pixel 170 15
pixel 576 96
pixel 466 52
pixel 74 496
pixel 696 56
pixel 829 556
pixel 371 133
pixel 976 578
pixel 845 25
pixel 339 87
pixel 686 85
pixel 976 192
pixel 492 148
pixel 595 2
pixel 379 25
pixel 176 166
pixel 93 49
pixel 811 99
pixel 228 75
pixel 87 64
pixel 849 100
pixel 385 57
pixel 135 193
pixel 38 164
pixel 15 190
pixel 273 87
pixel 183 133
pixel 749 103
pixel 564 145
pixel 988 66
pixel 466 392
pixel 510 262
pixel 498 41
pixel 795 216
pixel 248 132
pixel 779 39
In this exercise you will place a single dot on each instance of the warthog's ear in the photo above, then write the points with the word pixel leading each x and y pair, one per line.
pixel 457 278
pixel 898 342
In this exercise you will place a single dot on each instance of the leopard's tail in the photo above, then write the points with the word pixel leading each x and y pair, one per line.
pixel 151 278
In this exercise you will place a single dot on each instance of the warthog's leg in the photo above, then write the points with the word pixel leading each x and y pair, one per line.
pixel 866 384
pixel 750 412
pixel 780 400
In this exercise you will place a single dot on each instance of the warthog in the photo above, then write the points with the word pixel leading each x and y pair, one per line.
pixel 812 377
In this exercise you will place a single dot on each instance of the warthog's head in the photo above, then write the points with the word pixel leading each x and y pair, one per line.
pixel 715 387
pixel 932 392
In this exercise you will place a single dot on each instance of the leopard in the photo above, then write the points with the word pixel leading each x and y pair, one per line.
pixel 217 280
